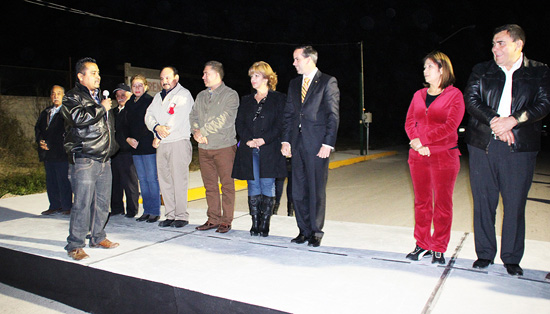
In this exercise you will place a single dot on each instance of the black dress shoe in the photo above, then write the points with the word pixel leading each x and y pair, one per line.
pixel 514 269
pixel 143 217
pixel 51 211
pixel 314 241
pixel 166 223
pixel 153 219
pixel 180 223
pixel 130 215
pixel 300 239
pixel 481 263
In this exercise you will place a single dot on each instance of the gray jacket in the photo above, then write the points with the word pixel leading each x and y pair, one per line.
pixel 214 115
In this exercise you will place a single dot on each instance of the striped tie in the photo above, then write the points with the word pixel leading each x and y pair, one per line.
pixel 305 86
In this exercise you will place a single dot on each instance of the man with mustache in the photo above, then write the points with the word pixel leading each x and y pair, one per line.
pixel 125 178
pixel 50 133
pixel 90 143
pixel 168 118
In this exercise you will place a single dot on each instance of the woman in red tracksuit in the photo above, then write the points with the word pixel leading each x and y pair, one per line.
pixel 432 122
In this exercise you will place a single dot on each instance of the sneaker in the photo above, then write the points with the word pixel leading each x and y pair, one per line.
pixel 78 254
pixel 417 253
pixel 106 244
pixel 439 258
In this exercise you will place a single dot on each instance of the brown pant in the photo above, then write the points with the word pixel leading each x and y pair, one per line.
pixel 218 163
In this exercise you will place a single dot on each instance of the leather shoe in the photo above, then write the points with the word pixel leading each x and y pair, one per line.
pixel 300 239
pixel 106 244
pixel 130 215
pixel 143 217
pixel 180 223
pixel 223 228
pixel 481 263
pixel 207 226
pixel 78 254
pixel 314 241
pixel 50 211
pixel 153 219
pixel 514 269
pixel 166 223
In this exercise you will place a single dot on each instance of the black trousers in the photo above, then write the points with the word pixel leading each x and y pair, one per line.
pixel 510 174
pixel 280 183
pixel 309 182
pixel 125 180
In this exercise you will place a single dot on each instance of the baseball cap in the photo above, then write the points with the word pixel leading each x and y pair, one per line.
pixel 122 86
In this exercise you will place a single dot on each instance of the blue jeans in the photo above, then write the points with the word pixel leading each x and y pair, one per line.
pixel 260 186
pixel 91 182
pixel 58 186
pixel 146 166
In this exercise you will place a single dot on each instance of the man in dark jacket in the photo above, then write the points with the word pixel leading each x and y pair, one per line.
pixel 125 179
pixel 49 133
pixel 90 143
pixel 506 98
pixel 309 135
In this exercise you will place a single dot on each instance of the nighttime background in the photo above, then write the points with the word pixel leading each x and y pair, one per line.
pixel 41 41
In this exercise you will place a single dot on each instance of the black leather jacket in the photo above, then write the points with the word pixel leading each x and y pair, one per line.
pixel 530 103
pixel 88 133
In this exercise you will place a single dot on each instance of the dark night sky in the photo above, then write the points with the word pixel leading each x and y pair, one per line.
pixel 396 36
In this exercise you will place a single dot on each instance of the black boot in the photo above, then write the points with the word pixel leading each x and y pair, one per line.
pixel 267 209
pixel 276 208
pixel 290 208
pixel 254 202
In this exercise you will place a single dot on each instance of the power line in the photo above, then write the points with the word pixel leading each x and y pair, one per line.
pixel 59 7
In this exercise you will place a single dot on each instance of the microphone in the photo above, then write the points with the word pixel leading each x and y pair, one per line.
pixel 106 94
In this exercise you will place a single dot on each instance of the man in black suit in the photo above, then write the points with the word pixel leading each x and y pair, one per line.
pixel 310 128
pixel 50 134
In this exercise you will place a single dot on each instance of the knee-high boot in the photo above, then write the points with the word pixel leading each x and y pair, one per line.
pixel 276 208
pixel 267 209
pixel 254 203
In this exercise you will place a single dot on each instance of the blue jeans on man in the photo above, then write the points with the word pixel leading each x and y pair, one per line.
pixel 91 183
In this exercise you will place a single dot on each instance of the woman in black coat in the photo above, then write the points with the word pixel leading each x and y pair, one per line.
pixel 143 152
pixel 258 159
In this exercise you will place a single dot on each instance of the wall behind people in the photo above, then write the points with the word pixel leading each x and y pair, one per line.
pixel 25 109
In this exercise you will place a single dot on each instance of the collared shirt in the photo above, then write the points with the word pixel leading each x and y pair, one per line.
pixel 505 104
pixel 310 76
pixel 95 96
pixel 53 112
